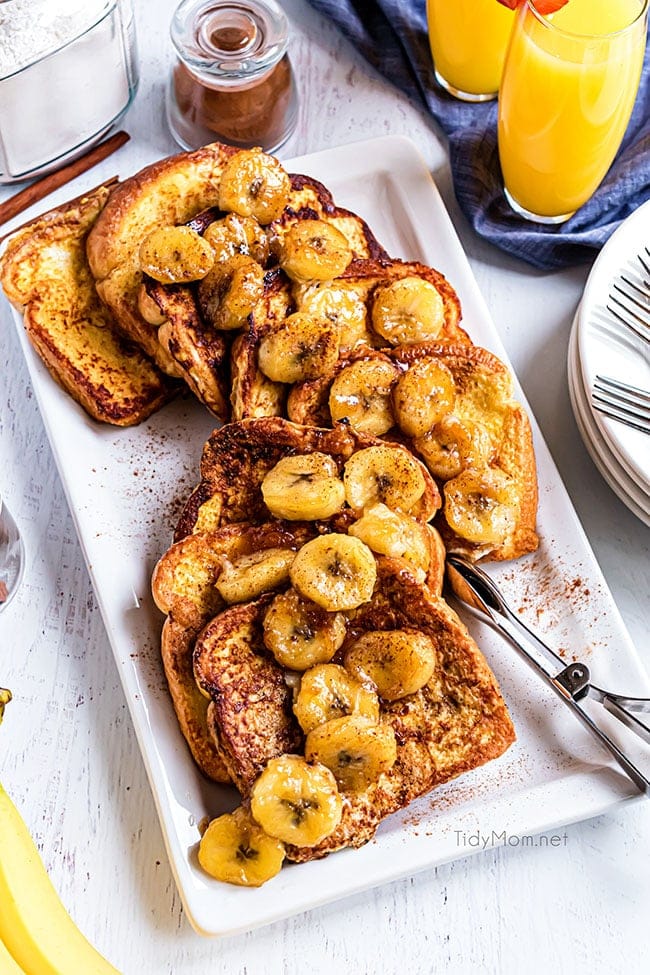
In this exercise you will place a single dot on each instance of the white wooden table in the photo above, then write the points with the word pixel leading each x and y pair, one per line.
pixel 69 756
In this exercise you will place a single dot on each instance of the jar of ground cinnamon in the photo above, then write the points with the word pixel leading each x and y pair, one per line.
pixel 232 79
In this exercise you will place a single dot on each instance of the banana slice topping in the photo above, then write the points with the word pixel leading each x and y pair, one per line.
pixel 299 633
pixel 328 691
pixel 236 850
pixel 304 487
pixel 338 572
pixel 173 255
pixel 229 292
pixel 396 662
pixel 397 535
pixel 254 184
pixel 296 802
pixel 452 445
pixel 250 575
pixel 407 311
pixel 361 394
pixel 301 348
pixel 314 250
pixel 340 303
pixel 355 748
pixel 481 505
pixel 235 234
pixel 423 396
pixel 383 474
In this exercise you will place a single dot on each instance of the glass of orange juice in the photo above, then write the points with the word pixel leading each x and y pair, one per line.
pixel 468 44
pixel 567 93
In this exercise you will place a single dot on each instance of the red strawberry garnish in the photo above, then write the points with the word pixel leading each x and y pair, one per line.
pixel 543 6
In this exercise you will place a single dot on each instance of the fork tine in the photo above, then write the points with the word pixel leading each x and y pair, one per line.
pixel 620 401
pixel 645 266
pixel 625 389
pixel 643 291
pixel 645 335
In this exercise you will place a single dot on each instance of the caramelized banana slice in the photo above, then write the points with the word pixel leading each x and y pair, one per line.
pixel 354 748
pixel 328 691
pixel 229 292
pixel 299 633
pixel 396 662
pixel 337 572
pixel 249 576
pixel 313 250
pixel 383 474
pixel 361 394
pixel 407 311
pixel 301 348
pixel 339 303
pixel 481 505
pixel 148 307
pixel 423 396
pixel 304 487
pixel 397 535
pixel 236 850
pixel 296 802
pixel 254 184
pixel 451 445
pixel 173 255
pixel 238 235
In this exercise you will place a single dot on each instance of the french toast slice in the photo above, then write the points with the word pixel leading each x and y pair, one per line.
pixel 485 406
pixel 184 587
pixel 345 302
pixel 45 274
pixel 171 192
pixel 456 722
pixel 238 456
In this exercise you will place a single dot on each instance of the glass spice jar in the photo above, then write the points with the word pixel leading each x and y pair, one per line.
pixel 68 73
pixel 232 80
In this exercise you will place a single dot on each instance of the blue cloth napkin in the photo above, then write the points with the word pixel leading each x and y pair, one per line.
pixel 392 35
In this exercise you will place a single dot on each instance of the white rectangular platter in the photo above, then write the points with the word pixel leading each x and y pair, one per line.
pixel 125 489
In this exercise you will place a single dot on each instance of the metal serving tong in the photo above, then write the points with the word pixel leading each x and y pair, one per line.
pixel 571 683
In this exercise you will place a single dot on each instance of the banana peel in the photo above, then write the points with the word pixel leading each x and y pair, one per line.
pixel 37 935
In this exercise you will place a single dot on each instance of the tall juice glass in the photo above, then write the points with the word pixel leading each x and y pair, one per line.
pixel 468 41
pixel 566 96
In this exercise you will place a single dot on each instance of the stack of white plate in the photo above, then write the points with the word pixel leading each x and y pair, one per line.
pixel 601 345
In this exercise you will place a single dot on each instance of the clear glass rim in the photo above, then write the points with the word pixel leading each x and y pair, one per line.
pixel 212 65
pixel 110 6
pixel 549 25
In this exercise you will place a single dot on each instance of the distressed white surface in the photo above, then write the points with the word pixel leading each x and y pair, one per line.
pixel 69 756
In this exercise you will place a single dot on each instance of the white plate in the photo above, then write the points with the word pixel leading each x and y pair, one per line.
pixel 612 471
pixel 606 347
pixel 124 488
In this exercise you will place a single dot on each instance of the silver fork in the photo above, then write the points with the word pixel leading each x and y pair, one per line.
pixel 620 401
pixel 629 301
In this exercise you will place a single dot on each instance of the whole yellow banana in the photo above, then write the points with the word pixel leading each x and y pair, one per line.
pixel 36 932
pixel 7 964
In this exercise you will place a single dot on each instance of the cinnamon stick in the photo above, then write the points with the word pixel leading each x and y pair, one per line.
pixel 52 181
pixel 105 182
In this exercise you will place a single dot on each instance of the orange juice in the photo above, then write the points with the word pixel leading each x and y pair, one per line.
pixel 568 89
pixel 468 44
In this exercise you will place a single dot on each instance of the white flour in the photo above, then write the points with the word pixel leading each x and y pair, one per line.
pixel 29 29
pixel 63 81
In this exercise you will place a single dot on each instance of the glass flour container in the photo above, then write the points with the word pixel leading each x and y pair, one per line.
pixel 68 73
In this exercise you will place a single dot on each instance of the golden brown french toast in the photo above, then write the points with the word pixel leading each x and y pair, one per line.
pixel 279 344
pixel 45 274
pixel 238 456
pixel 454 406
pixel 341 685
pixel 454 722
pixel 187 188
